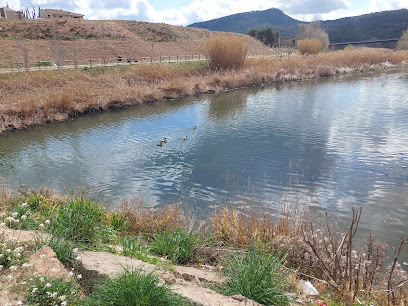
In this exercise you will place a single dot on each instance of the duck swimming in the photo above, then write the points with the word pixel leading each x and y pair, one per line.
pixel 164 140
pixel 160 144
pixel 185 138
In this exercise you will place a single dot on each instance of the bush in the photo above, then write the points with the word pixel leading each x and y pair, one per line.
pixel 313 30
pixel 403 42
pixel 133 288
pixel 180 245
pixel 80 221
pixel 309 46
pixel 226 51
pixel 257 277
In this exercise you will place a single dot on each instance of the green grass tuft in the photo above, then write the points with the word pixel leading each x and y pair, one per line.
pixel 133 288
pixel 179 246
pixel 257 277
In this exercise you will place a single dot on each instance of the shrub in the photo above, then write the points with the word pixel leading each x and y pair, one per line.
pixel 180 245
pixel 257 277
pixel 80 221
pixel 312 30
pixel 133 288
pixel 309 46
pixel 226 51
pixel 403 42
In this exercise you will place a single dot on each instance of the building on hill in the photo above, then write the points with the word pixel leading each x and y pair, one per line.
pixel 52 13
pixel 8 13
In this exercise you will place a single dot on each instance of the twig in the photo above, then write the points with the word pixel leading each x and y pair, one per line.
pixel 400 285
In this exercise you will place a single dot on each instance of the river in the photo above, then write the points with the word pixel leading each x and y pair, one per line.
pixel 331 143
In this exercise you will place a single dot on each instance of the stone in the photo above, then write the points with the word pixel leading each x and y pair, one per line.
pixel 204 276
pixel 45 262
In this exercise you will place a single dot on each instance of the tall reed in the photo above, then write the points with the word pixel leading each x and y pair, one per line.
pixel 309 46
pixel 226 51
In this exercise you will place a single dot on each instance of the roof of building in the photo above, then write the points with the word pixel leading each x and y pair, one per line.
pixel 60 12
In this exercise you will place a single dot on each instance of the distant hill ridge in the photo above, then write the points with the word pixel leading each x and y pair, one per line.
pixel 380 25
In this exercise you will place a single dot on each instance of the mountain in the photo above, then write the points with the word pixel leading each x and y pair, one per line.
pixel 380 25
pixel 243 22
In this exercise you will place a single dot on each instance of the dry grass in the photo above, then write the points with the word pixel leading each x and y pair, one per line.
pixel 309 46
pixel 150 221
pixel 38 98
pixel 226 51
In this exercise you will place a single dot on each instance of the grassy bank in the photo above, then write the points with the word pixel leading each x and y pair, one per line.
pixel 260 256
pixel 38 98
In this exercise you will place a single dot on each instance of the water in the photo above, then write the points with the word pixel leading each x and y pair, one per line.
pixel 340 142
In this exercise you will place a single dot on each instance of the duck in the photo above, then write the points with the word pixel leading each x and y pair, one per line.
pixel 195 127
pixel 164 140
pixel 185 138
pixel 160 144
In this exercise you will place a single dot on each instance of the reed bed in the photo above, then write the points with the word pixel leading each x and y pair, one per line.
pixel 309 46
pixel 38 98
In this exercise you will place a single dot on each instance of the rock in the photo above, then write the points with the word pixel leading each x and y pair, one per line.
pixel 204 276
pixel 191 278
pixel 207 297
pixel 45 262
pixel 24 236
pixel 100 264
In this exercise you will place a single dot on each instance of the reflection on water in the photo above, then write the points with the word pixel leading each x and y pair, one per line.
pixel 343 141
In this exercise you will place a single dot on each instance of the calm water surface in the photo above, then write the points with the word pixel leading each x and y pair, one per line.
pixel 338 143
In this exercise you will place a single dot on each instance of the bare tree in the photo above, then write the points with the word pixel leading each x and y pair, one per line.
pixel 105 51
pixel 403 42
pixel 314 31
pixel 22 46
pixel 57 49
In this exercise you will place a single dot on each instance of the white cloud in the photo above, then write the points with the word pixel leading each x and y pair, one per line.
pixel 201 10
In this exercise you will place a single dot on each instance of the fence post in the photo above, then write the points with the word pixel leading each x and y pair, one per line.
pixel 151 60
pixel 177 58
pixel 169 58
pixel 90 63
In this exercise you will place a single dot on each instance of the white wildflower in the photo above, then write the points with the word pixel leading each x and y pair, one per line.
pixel 23 217
pixel 10 219
pixel 54 294
pixel 8 251
pixel 64 303
pixel 2 215
pixel 42 279
pixel 19 303
pixel 62 298
pixel 78 258
pixel 18 255
pixel 9 277
pixel 71 274
pixel 47 285
pixel 42 255
pixel 23 282
pixel 1 267
pixel 24 204
pixel 79 276
pixel 34 290
pixel 14 214
pixel 76 250
pixel 47 222
pixel 13 268
pixel 53 270
pixel 41 225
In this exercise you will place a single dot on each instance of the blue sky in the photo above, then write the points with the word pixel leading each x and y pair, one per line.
pixel 184 12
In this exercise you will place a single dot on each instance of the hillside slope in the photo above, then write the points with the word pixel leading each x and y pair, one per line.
pixel 381 25
pixel 86 39
pixel 243 22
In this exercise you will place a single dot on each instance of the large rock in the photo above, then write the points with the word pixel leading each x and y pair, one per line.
pixel 45 262
pixel 100 264
pixel 206 297
pixel 24 236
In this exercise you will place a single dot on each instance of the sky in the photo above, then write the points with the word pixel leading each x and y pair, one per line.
pixel 185 12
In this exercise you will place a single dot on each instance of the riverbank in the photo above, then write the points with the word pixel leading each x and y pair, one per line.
pixel 39 98
pixel 253 249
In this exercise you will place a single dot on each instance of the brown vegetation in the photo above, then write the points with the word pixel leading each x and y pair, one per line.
pixel 226 51
pixel 313 30
pixel 403 42
pixel 37 98
pixel 81 40
pixel 309 46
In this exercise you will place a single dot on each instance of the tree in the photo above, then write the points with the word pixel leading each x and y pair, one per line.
pixel 403 42
pixel 268 36
pixel 314 31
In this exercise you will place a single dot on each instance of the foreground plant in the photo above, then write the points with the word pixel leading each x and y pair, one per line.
pixel 41 290
pixel 257 276
pixel 133 288
pixel 180 246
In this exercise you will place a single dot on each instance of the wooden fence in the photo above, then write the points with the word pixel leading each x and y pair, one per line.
pixel 97 62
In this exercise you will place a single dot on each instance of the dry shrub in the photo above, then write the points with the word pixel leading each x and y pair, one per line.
pixel 226 51
pixel 403 42
pixel 149 220
pixel 309 46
